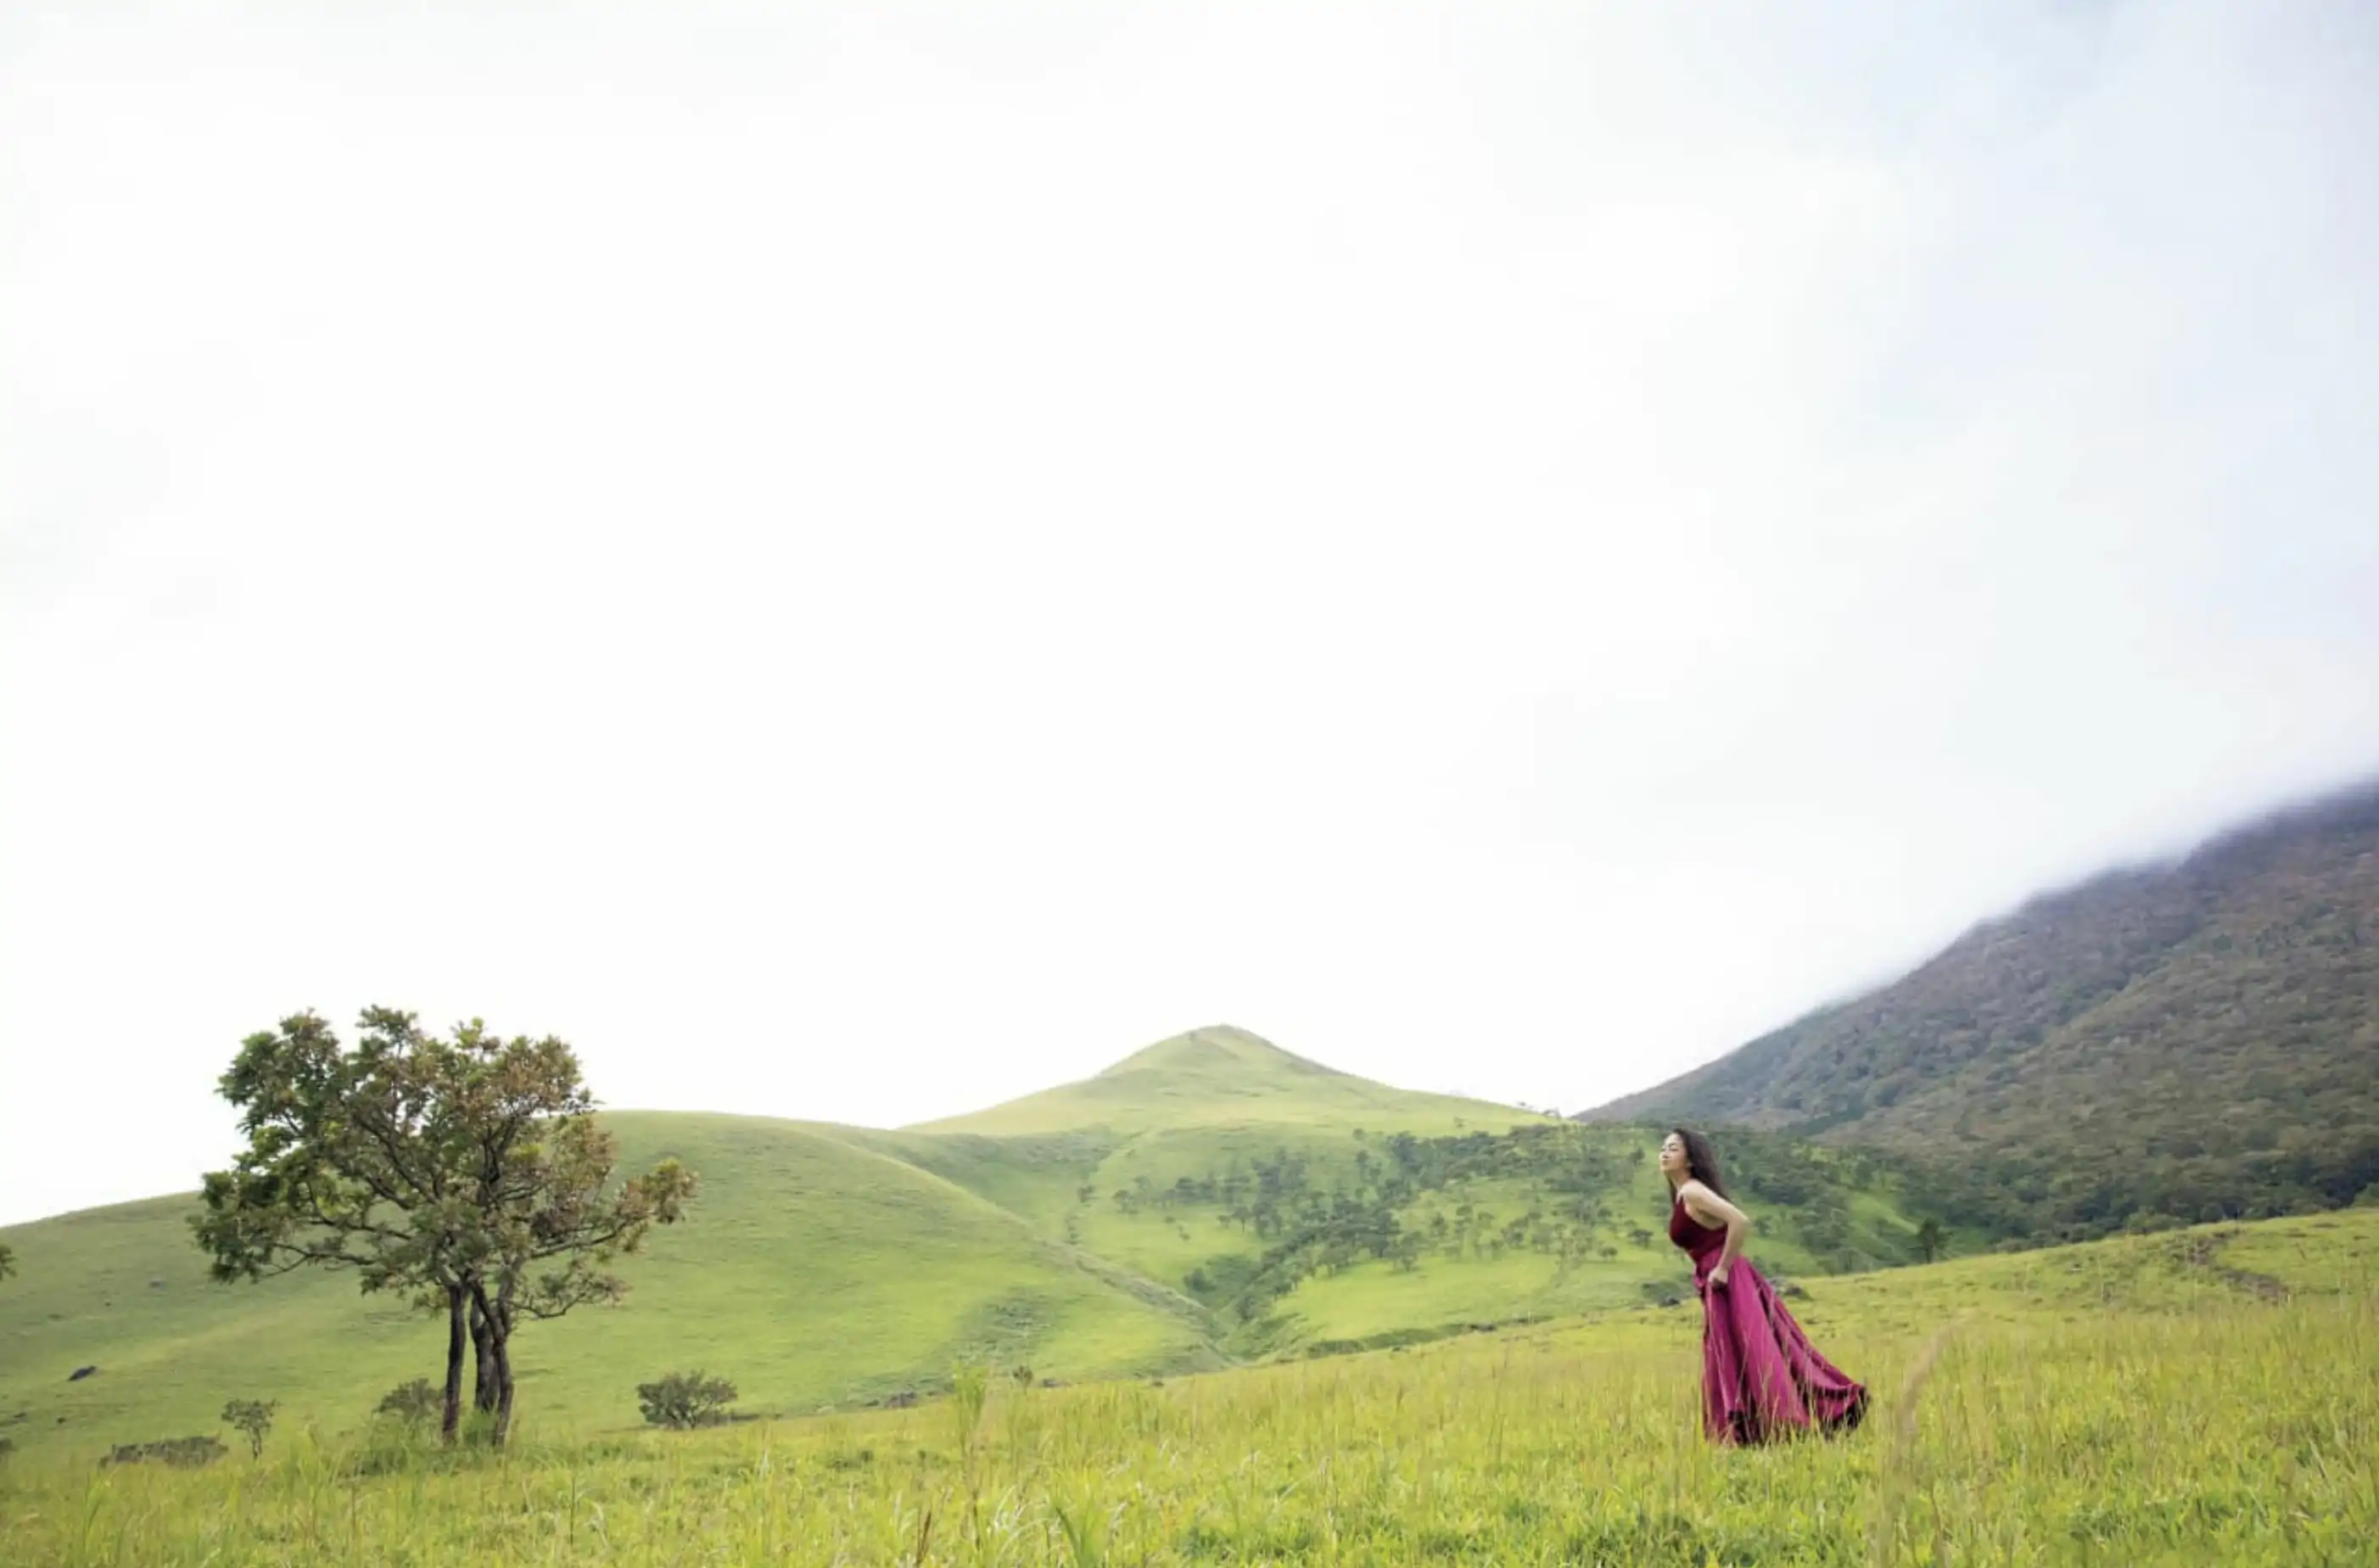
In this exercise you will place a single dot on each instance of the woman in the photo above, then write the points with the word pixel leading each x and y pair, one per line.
pixel 1760 1377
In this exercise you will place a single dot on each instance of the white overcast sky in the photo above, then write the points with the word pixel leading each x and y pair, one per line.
pixel 857 562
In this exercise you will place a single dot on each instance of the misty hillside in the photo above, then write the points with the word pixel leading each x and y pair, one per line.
pixel 2187 1041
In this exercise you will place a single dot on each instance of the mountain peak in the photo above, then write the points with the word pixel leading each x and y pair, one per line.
pixel 1222 1046
pixel 1217 1075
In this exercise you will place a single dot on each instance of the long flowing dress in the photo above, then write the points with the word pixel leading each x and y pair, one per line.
pixel 1761 1378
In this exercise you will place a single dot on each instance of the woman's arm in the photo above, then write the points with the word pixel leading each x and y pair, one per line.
pixel 1711 1209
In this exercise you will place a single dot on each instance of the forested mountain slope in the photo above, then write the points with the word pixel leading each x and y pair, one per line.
pixel 2191 1041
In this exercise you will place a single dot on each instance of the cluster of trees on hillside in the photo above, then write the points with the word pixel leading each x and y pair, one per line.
pixel 2149 1165
pixel 2152 1165
pixel 1369 1209
pixel 2136 1181
pixel 1811 1185
pixel 467 1174
pixel 1405 1198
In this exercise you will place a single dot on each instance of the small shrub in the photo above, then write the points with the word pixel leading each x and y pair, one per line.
pixel 415 1404
pixel 253 1418
pixel 686 1399
pixel 185 1453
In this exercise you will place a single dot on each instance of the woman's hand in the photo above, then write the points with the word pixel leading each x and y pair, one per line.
pixel 1718 1277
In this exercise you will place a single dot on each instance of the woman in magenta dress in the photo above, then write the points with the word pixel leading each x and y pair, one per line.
pixel 1761 1378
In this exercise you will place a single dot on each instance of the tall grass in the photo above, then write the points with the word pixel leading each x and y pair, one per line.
pixel 2147 1428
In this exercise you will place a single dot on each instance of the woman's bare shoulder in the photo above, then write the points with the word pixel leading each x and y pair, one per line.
pixel 1702 1203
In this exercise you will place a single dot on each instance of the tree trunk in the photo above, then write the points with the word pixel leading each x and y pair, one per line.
pixel 498 1317
pixel 483 1379
pixel 503 1386
pixel 452 1417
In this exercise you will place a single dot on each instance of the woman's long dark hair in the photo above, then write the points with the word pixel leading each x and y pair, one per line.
pixel 1701 1160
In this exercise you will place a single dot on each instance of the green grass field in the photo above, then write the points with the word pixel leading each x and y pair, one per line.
pixel 2203 1396
pixel 832 1267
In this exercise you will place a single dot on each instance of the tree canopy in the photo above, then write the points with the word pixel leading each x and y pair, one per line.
pixel 466 1172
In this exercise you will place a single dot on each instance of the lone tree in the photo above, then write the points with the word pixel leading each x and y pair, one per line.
pixel 8 1262
pixel 353 1161
pixel 450 1169
pixel 545 1219
pixel 253 1418
pixel 1930 1240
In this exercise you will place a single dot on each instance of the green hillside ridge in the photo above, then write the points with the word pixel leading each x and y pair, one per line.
pixel 1208 1201
pixel 2194 1040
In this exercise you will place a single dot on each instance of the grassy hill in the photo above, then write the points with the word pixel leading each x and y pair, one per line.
pixel 1209 1199
pixel 2139 1401
pixel 2190 1041
pixel 813 1272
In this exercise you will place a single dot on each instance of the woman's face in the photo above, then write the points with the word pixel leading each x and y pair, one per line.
pixel 1672 1156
